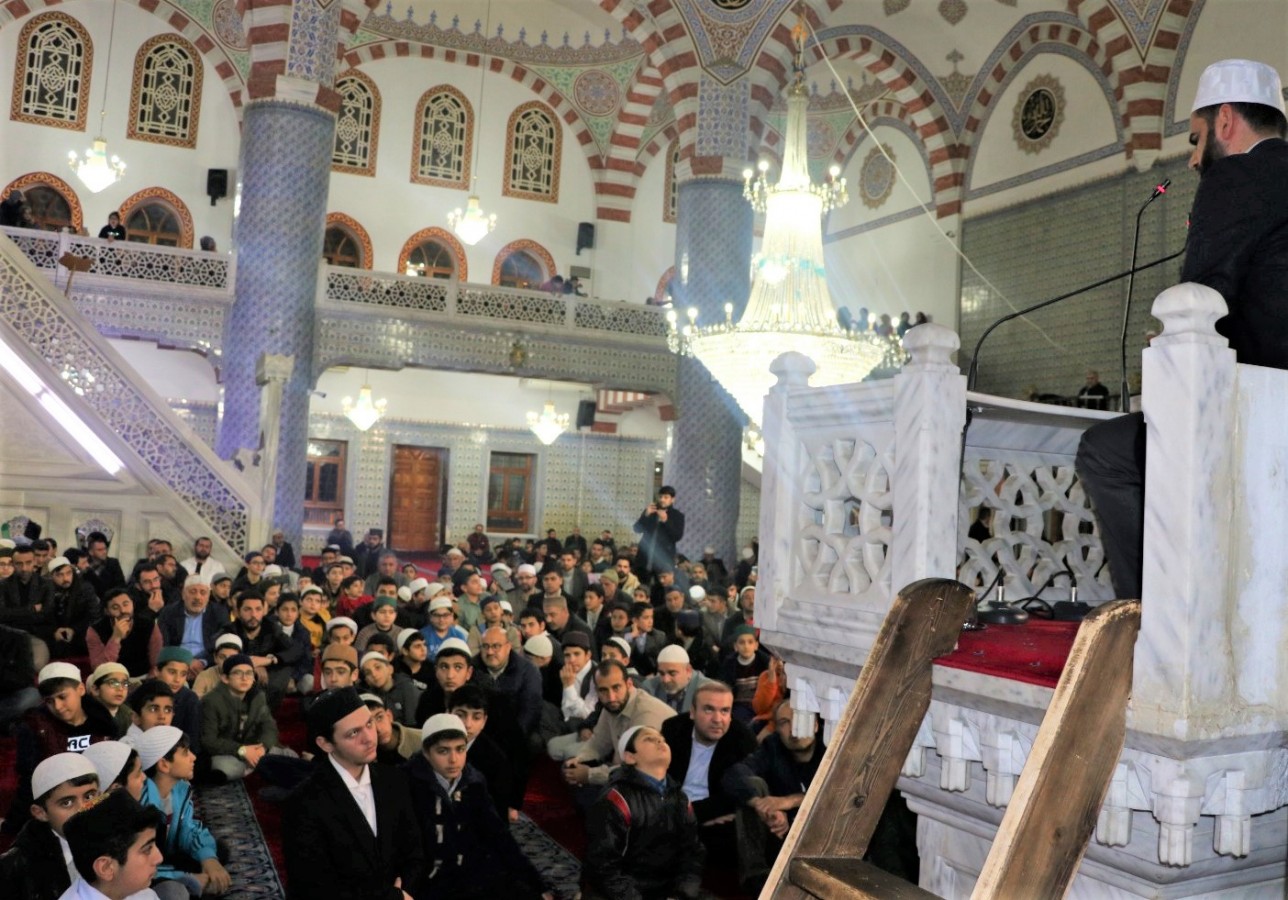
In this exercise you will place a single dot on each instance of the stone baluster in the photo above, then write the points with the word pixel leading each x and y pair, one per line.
pixel 805 705
pixel 1176 807
pixel 1003 753
pixel 1232 834
pixel 1113 823
pixel 958 746
pixel 930 410
pixel 778 487
pixel 1183 668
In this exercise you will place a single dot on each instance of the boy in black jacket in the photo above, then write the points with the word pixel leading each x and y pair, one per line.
pixel 469 851
pixel 34 867
pixel 643 837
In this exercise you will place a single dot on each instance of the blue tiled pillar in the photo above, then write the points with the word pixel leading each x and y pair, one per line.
pixel 285 172
pixel 713 260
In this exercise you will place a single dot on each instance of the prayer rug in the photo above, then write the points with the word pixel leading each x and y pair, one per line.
pixel 227 812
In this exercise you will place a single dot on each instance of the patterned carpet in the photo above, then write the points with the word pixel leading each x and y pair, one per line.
pixel 228 812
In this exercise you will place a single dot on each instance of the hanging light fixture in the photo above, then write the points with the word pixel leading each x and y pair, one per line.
pixel 790 307
pixel 95 170
pixel 472 224
pixel 548 425
pixel 367 411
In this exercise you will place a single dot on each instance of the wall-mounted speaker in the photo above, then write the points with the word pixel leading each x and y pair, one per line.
pixel 586 414
pixel 216 184
pixel 585 236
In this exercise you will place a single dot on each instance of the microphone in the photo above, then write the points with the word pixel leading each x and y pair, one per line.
pixel 972 374
pixel 1124 396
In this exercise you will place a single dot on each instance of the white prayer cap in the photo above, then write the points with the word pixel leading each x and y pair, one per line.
pixel 57 563
pixel 56 769
pixel 673 653
pixel 440 603
pixel 155 743
pixel 406 635
pixel 404 593
pixel 273 571
pixel 500 567
pixel 311 589
pixel 456 551
pixel 229 640
pixel 539 645
pixel 438 587
pixel 375 656
pixel 527 569
pixel 505 605
pixel 697 592
pixel 453 644
pixel 108 668
pixel 620 643
pixel 417 585
pixel 626 739
pixel 1239 81
pixel 370 699
pixel 58 670
pixel 440 724
pixel 342 620
pixel 109 759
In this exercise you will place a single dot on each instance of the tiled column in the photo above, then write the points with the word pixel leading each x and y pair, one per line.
pixel 285 170
pixel 712 264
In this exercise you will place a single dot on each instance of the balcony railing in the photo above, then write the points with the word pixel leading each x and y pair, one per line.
pixel 125 259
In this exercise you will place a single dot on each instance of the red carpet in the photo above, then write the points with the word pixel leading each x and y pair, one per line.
pixel 1033 652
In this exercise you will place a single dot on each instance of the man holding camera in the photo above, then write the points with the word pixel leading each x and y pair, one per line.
pixel 660 526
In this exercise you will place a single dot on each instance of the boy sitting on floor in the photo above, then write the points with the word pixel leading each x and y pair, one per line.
pixel 190 856
pixel 36 866
pixel 114 847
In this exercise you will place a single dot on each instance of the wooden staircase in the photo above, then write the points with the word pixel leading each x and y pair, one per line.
pixel 1052 813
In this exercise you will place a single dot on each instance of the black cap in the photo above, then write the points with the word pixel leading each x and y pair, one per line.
pixel 330 707
pixel 667 489
pixel 576 639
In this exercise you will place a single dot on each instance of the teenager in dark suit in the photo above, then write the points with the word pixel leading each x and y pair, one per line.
pixel 349 831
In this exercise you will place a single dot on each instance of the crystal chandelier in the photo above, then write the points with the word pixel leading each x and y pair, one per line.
pixel 472 224
pixel 96 171
pixel 548 425
pixel 790 307
pixel 366 412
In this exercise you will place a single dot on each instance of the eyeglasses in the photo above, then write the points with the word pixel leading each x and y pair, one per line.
pixel 242 673
pixel 493 646
pixel 114 683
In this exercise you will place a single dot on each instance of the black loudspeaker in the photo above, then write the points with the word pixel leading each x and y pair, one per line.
pixel 585 413
pixel 216 184
pixel 585 236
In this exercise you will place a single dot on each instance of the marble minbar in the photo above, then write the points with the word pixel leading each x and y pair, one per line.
pixel 863 493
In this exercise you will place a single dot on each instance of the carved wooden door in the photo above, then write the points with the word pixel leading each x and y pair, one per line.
pixel 417 498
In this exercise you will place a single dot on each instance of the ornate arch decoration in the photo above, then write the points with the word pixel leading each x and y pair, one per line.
pixel 209 43
pixel 467 139
pixel 439 236
pixel 535 250
pixel 509 188
pixel 659 293
pixel 617 181
pixel 54 183
pixel 355 125
pixel 670 201
pixel 351 225
pixel 74 73
pixel 181 102
pixel 161 195
pixel 890 113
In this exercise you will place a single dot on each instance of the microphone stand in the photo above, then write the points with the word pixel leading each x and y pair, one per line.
pixel 1124 395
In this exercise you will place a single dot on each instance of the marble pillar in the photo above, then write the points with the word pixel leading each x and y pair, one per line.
pixel 713 263
pixel 285 171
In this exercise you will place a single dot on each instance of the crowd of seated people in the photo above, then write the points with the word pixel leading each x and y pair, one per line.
pixel 636 674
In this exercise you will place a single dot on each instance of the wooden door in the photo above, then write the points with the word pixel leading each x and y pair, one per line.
pixel 417 498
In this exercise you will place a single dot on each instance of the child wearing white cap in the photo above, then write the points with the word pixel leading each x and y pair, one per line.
pixel 190 855
pixel 442 624
pixel 469 851
pixel 38 865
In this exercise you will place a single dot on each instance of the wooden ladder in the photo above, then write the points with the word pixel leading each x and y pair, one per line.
pixel 1052 813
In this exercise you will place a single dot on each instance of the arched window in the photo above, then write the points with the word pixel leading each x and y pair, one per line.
pixel 52 202
pixel 340 247
pixel 51 85
pixel 156 216
pixel 534 141
pixel 433 253
pixel 165 100
pixel 672 188
pixel 346 242
pixel 444 139
pixel 357 125
pixel 520 269
pixel 432 260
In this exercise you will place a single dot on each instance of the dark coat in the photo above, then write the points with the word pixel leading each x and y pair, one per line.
pixel 1238 246
pixel 468 848
pixel 109 575
pixel 521 682
pixel 18 603
pixel 76 608
pixel 643 844
pixel 329 848
pixel 658 539
pixel 172 618
pixel 736 745
pixel 33 868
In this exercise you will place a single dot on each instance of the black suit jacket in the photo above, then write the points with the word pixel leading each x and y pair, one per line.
pixel 109 576
pixel 737 744
pixel 1238 246
pixel 171 620
pixel 329 848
